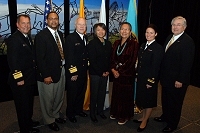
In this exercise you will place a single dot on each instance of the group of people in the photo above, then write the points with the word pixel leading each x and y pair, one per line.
pixel 56 65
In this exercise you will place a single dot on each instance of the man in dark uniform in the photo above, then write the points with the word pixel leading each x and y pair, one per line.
pixel 51 72
pixel 76 70
pixel 22 77
pixel 175 73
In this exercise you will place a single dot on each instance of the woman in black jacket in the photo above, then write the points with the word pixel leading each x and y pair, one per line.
pixel 99 50
pixel 149 60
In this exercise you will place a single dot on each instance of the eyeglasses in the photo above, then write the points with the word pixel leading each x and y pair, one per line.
pixel 178 25
pixel 52 19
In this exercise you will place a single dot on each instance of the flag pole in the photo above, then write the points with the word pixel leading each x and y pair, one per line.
pixel 51 5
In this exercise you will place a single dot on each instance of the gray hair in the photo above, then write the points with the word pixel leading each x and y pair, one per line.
pixel 180 17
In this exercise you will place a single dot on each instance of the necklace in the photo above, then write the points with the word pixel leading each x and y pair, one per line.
pixel 119 53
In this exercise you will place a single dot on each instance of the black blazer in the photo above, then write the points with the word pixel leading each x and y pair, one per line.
pixel 48 58
pixel 177 61
pixel 149 61
pixel 99 56
pixel 21 58
pixel 76 55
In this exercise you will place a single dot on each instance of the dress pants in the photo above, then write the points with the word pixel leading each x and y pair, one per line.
pixel 97 94
pixel 23 99
pixel 172 101
pixel 51 98
pixel 75 95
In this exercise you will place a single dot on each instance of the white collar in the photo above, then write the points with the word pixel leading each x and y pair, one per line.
pixel 81 35
pixel 150 42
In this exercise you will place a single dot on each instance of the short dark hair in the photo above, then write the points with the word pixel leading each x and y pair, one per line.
pixel 154 27
pixel 127 24
pixel 22 15
pixel 52 12
pixel 102 25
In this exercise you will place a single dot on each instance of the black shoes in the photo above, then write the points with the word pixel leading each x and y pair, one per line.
pixel 54 126
pixel 72 119
pixel 94 119
pixel 168 129
pixel 35 123
pixel 34 130
pixel 103 116
pixel 60 120
pixel 82 114
pixel 159 119
pixel 141 129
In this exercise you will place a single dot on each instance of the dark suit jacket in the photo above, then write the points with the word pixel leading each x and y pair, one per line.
pixel 76 55
pixel 21 58
pixel 149 61
pixel 177 61
pixel 48 58
pixel 99 56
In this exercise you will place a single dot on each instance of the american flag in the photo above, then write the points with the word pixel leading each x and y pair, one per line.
pixel 47 9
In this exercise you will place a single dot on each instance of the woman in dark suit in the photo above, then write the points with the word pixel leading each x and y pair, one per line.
pixel 149 60
pixel 99 50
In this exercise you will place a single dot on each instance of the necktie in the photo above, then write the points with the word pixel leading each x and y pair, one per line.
pixel 84 39
pixel 170 43
pixel 146 46
pixel 28 40
pixel 59 46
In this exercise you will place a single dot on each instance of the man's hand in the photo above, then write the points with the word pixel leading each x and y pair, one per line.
pixel 20 83
pixel 48 80
pixel 178 84
pixel 148 86
pixel 74 78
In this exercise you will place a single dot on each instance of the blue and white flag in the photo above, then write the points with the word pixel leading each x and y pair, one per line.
pixel 47 9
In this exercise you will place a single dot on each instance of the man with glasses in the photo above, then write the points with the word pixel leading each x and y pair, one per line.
pixel 175 73
pixel 51 72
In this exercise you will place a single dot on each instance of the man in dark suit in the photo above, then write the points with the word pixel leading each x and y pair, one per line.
pixel 51 72
pixel 22 76
pixel 76 70
pixel 175 73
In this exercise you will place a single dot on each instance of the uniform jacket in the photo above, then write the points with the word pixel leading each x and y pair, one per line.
pixel 48 58
pixel 76 55
pixel 149 61
pixel 177 61
pixel 21 59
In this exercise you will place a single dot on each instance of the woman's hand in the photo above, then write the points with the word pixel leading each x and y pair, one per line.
pixel 115 73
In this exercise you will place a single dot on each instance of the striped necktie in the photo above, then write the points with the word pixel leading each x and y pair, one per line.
pixel 170 43
pixel 59 46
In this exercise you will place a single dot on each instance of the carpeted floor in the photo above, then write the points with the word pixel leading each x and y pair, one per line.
pixel 189 123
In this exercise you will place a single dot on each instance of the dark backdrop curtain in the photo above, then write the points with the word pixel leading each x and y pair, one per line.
pixel 161 12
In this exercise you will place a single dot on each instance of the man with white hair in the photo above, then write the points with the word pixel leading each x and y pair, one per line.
pixel 175 73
